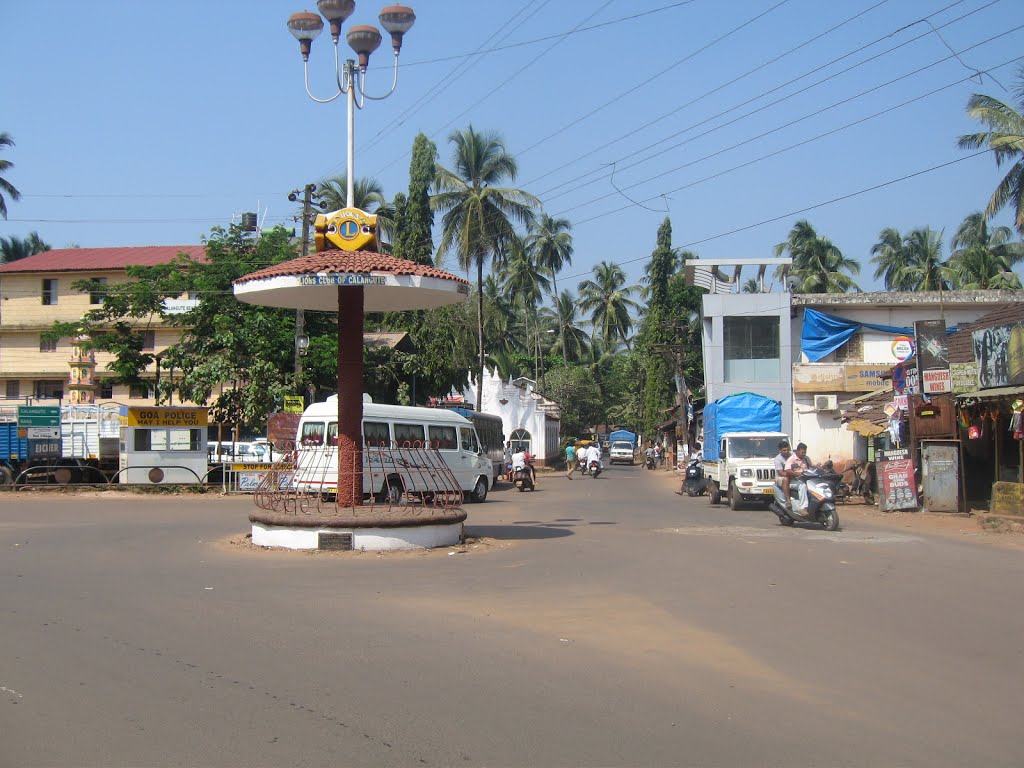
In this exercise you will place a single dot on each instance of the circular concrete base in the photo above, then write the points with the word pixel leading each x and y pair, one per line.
pixel 363 539
pixel 370 531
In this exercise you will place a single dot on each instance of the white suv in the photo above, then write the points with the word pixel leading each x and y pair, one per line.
pixel 622 450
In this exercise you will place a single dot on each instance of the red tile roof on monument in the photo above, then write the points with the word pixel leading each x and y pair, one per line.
pixel 96 259
pixel 334 261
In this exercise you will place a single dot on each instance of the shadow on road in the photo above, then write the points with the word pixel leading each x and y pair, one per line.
pixel 519 532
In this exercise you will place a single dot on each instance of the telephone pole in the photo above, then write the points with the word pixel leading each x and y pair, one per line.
pixel 301 340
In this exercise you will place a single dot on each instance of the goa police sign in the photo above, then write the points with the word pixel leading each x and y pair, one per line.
pixel 167 417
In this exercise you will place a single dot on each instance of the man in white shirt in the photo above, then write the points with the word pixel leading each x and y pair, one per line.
pixel 594 454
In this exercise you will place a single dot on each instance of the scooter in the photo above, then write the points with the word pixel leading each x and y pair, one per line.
pixel 695 483
pixel 649 462
pixel 522 479
pixel 595 468
pixel 842 488
pixel 863 481
pixel 819 489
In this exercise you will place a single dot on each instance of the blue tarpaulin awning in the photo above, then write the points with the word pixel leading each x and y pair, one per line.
pixel 823 333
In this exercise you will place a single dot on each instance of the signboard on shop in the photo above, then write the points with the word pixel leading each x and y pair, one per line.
pixel 964 377
pixel 897 481
pixel 937 382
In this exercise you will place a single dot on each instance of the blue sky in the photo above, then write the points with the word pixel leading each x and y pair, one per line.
pixel 139 125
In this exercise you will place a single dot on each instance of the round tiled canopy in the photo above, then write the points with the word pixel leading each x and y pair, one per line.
pixel 389 284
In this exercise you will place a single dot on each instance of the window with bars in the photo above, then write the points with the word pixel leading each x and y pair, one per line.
pixel 148 341
pixel 47 345
pixel 97 294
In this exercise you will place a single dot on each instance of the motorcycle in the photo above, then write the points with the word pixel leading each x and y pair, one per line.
pixel 695 484
pixel 842 489
pixel 863 481
pixel 649 462
pixel 819 488
pixel 594 468
pixel 522 479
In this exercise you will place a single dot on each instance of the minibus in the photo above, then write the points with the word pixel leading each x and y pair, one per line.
pixel 393 436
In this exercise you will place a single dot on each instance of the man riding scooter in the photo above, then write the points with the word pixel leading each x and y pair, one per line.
pixel 795 466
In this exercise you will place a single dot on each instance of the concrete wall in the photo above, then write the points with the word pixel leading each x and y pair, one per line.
pixel 718 306
pixel 522 409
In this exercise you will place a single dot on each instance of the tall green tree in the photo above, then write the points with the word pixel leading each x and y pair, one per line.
pixel 656 332
pixel 818 265
pixel 6 188
pixel 550 239
pixel 478 215
pixel 891 257
pixel 13 248
pixel 609 301
pixel 564 317
pixel 1005 137
pixel 413 238
pixel 984 257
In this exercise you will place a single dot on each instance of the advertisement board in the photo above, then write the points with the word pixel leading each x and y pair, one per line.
pixel 896 480
pixel 933 356
pixel 1000 355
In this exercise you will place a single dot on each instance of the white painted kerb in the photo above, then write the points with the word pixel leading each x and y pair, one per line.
pixel 367 539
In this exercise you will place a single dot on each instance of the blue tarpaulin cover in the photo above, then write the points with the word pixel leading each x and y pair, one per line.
pixel 823 333
pixel 745 412
pixel 623 434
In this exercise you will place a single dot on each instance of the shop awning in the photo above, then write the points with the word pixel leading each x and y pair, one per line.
pixel 988 394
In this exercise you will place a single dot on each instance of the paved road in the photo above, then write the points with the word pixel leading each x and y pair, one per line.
pixel 600 622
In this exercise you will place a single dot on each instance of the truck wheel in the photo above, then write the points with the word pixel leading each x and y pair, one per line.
pixel 715 494
pixel 6 478
pixel 734 496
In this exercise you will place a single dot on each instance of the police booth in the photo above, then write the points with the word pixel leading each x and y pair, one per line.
pixel 163 445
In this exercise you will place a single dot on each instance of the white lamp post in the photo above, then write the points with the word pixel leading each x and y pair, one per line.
pixel 350 77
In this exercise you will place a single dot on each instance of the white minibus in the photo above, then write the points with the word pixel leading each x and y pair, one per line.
pixel 386 471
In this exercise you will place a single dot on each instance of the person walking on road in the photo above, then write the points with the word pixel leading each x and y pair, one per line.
pixel 570 459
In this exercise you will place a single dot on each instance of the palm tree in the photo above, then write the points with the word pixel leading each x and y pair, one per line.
pixel 751 286
pixel 891 256
pixel 609 303
pixel 524 282
pixel 551 241
pixel 13 248
pixel 984 258
pixel 479 217
pixel 1005 138
pixel 5 186
pixel 368 195
pixel 925 270
pixel 818 265
pixel 564 316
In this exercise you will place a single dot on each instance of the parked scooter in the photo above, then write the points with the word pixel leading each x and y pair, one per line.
pixel 522 479
pixel 819 489
pixel 842 488
pixel 695 484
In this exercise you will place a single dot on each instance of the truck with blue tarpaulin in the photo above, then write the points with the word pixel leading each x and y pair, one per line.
pixel 741 438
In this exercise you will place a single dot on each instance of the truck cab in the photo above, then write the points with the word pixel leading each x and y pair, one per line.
pixel 744 471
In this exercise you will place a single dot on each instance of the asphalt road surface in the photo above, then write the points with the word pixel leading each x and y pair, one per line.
pixel 597 622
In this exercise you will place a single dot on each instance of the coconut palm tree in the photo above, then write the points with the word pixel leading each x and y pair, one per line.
pixel 751 286
pixel 1005 138
pixel 6 188
pixel 925 270
pixel 891 256
pixel 551 240
pixel 609 303
pixel 523 281
pixel 818 265
pixel 368 195
pixel 564 317
pixel 984 258
pixel 478 216
pixel 13 248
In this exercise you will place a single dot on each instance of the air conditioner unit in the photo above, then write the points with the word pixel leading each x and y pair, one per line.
pixel 826 402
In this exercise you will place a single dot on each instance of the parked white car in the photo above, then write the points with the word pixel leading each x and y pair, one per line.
pixel 238 453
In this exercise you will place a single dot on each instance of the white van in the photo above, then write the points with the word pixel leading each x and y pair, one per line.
pixel 316 461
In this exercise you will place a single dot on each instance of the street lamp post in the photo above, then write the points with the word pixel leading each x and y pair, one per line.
pixel 350 77
pixel 351 81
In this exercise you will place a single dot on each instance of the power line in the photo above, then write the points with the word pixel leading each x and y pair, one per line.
pixel 760 96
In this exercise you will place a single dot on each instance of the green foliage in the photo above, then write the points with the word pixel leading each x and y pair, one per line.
pixel 580 399
pixel 818 265
pixel 415 221
pixel 6 188
pixel 13 248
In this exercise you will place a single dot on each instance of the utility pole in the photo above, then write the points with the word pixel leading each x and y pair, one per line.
pixel 301 342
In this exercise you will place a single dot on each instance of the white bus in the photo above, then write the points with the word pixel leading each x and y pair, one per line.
pixel 393 437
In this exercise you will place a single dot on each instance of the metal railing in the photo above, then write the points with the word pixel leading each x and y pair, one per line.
pixel 412 477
